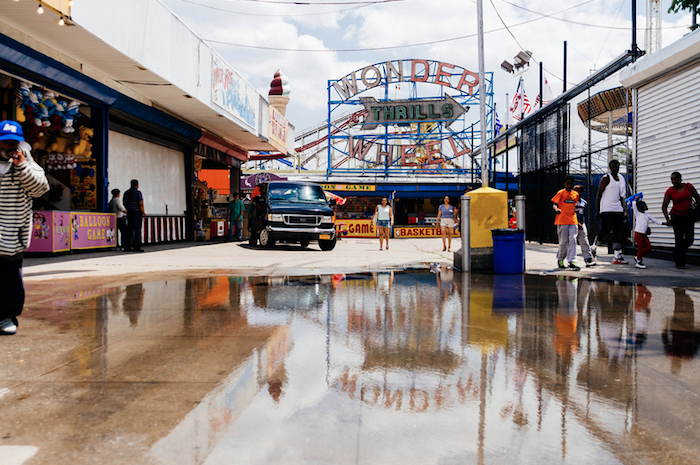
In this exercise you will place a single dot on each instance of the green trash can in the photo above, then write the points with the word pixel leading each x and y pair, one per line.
pixel 508 251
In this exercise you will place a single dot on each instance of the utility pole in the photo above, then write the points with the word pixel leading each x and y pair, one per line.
pixel 482 97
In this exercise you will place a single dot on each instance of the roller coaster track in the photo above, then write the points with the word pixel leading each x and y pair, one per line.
pixel 338 125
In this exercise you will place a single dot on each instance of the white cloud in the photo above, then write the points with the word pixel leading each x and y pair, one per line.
pixel 411 22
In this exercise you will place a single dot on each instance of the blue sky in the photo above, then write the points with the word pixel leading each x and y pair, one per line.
pixel 307 42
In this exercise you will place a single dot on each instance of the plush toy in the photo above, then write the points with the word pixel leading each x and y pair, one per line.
pixel 59 162
pixel 83 147
pixel 49 102
pixel 70 113
pixel 42 141
pixel 51 162
pixel 19 115
pixel 69 161
pixel 61 144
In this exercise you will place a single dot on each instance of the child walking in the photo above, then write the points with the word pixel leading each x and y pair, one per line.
pixel 641 230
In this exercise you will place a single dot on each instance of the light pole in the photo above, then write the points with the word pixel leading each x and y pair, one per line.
pixel 482 97
pixel 521 63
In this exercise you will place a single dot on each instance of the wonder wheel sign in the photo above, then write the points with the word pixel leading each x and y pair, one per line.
pixel 406 117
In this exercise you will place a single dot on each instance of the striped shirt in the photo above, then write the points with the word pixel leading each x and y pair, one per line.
pixel 132 200
pixel 17 188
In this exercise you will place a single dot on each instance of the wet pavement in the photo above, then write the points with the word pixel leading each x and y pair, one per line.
pixel 222 353
pixel 417 365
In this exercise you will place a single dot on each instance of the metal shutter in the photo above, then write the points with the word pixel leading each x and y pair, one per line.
pixel 668 140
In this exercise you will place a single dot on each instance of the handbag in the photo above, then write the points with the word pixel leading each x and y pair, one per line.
pixel 694 207
pixel 648 231
pixel 694 211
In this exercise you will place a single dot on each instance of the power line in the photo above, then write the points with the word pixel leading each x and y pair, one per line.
pixel 292 2
pixel 579 23
pixel 609 32
pixel 192 2
pixel 371 49
pixel 518 42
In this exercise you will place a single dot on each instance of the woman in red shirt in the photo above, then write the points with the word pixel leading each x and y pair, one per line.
pixel 680 194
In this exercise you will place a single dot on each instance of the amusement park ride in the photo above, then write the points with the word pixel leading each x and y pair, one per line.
pixel 399 118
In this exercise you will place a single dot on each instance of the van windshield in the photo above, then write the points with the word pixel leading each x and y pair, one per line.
pixel 297 194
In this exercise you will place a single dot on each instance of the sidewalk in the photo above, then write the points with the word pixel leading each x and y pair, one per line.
pixel 349 256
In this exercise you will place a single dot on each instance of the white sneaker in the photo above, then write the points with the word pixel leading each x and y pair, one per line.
pixel 7 326
pixel 640 265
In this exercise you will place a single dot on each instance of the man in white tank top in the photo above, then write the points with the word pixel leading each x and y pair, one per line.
pixel 611 209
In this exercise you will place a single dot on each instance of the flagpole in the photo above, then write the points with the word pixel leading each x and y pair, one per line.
pixel 507 111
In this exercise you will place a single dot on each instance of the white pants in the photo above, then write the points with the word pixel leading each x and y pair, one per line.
pixel 583 242
pixel 567 242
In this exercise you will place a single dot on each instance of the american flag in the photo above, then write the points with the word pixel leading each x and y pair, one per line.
pixel 547 91
pixel 515 108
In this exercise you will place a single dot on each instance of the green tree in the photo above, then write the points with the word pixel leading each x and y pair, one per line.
pixel 690 5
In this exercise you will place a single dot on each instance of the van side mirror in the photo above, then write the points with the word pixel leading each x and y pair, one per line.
pixel 332 203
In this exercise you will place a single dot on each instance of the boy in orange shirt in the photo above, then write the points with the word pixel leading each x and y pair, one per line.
pixel 564 204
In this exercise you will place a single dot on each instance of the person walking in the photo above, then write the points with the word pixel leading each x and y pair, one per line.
pixel 116 207
pixel 580 208
pixel 235 212
pixel 680 194
pixel 564 205
pixel 384 218
pixel 133 202
pixel 641 230
pixel 21 180
pixel 446 221
pixel 611 211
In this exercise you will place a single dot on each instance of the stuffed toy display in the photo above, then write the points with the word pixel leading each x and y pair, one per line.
pixel 45 109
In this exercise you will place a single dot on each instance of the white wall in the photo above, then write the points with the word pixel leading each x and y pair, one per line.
pixel 159 170
pixel 149 33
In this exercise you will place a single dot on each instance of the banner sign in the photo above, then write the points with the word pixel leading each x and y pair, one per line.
pixel 92 230
pixel 355 228
pixel 232 94
pixel 365 228
pixel 411 111
pixel 249 183
pixel 277 134
pixel 349 187
pixel 410 232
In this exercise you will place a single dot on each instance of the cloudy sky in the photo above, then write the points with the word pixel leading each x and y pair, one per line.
pixel 317 40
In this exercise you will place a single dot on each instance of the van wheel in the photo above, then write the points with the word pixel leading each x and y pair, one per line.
pixel 266 239
pixel 327 245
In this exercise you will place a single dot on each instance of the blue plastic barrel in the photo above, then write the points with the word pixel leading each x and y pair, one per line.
pixel 508 251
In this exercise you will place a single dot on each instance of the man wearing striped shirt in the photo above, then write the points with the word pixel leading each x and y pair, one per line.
pixel 21 180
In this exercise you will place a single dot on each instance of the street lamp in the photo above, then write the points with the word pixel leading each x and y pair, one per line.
pixel 521 63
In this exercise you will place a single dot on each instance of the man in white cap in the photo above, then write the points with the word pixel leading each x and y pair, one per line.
pixel 21 179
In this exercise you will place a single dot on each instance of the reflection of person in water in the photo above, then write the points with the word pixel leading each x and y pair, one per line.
pixel 565 340
pixel 133 302
pixel 384 280
pixel 641 316
pixel 615 301
pixel 445 278
pixel 680 337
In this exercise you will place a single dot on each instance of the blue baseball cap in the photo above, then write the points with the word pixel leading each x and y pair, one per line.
pixel 11 130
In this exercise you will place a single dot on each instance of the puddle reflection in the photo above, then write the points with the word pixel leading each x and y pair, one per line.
pixel 396 367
